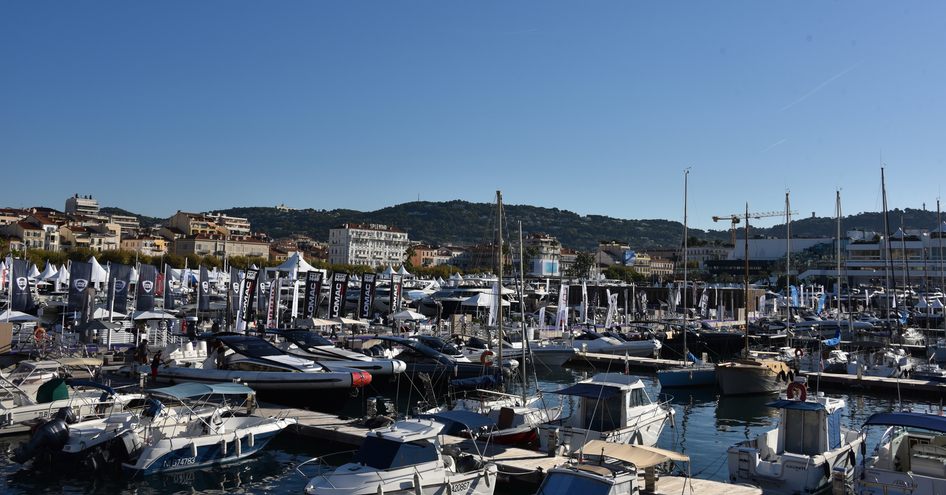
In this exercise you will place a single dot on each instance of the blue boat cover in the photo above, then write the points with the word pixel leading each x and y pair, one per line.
pixel 931 422
pixel 796 404
pixel 485 381
pixel 190 390
pixel 590 390
pixel 456 421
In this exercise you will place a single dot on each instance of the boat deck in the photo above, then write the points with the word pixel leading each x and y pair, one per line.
pixel 875 383
pixel 519 465
pixel 616 362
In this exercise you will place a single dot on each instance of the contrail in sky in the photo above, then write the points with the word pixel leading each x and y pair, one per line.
pixel 779 142
pixel 820 87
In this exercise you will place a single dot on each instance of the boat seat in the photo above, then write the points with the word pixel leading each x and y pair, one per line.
pixel 928 460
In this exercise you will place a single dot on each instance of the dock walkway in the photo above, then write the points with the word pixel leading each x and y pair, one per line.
pixel 521 465
pixel 875 383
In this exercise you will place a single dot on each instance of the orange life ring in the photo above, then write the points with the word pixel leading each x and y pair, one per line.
pixel 487 357
pixel 796 388
pixel 39 334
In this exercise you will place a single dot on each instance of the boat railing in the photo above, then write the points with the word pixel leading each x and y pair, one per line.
pixel 320 460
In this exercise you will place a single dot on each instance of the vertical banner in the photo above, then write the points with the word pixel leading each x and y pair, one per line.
pixel 119 278
pixel 233 291
pixel 147 275
pixel 203 290
pixel 273 306
pixel 88 305
pixel 170 302
pixel 21 298
pixel 396 281
pixel 561 316
pixel 262 289
pixel 248 291
pixel 366 300
pixel 313 286
pixel 79 276
pixel 336 305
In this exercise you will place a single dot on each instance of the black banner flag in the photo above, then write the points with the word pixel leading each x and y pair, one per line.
pixel 336 305
pixel 366 300
pixel 313 285
pixel 119 277
pixel 80 274
pixel 147 276
pixel 22 298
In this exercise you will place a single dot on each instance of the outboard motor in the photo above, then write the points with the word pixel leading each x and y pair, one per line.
pixel 49 437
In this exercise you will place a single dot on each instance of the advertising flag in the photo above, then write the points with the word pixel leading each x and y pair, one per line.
pixel 80 275
pixel 313 287
pixel 366 300
pixel 247 292
pixel 273 307
pixel 336 305
pixel 119 278
pixel 203 290
pixel 21 297
pixel 170 302
pixel 395 293
pixel 147 276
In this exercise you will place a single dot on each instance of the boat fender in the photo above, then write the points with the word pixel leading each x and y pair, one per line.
pixel 799 352
pixel 193 449
pixel 637 438
pixel 418 488
pixel 791 376
pixel 851 458
pixel 238 443
pixel 486 358
pixel 827 469
pixel 486 476
pixel 360 379
pixel 223 446
pixel 863 449
pixel 39 335
pixel 781 376
pixel 797 389
pixel 251 439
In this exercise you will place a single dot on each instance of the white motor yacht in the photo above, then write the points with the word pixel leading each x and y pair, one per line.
pixel 406 458
pixel 804 452
pixel 909 459
pixel 611 407
pixel 610 343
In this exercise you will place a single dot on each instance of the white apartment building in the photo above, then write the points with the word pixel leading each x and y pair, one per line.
pixel 82 205
pixel 367 244
pixel 231 225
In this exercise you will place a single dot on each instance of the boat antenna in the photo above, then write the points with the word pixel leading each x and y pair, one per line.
pixel 746 282
pixel 499 282
pixel 686 288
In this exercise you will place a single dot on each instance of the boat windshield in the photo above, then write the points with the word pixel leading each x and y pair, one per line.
pixel 567 484
pixel 308 339
pixel 381 453
pixel 253 347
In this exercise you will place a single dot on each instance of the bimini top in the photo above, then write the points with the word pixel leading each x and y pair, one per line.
pixel 409 430
pixel 602 386
pixel 638 455
pixel 191 390
pixel 456 421
pixel 931 422
pixel 802 405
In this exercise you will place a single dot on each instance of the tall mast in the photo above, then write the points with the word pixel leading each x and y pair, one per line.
pixel 837 209
pixel 746 282
pixel 788 259
pixel 888 263
pixel 903 254
pixel 499 271
pixel 522 310
pixel 686 177
pixel 942 274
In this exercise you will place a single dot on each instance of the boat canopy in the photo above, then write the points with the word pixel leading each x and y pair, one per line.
pixel 797 404
pixel 191 390
pixel 590 391
pixel 639 455
pixel 456 421
pixel 909 420
pixel 90 384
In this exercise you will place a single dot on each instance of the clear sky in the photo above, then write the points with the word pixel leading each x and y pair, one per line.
pixel 595 107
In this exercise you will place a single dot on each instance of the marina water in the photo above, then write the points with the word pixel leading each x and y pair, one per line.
pixel 706 424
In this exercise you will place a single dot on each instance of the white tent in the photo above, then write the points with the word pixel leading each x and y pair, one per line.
pixel 16 316
pixel 388 272
pixel 34 272
pixel 482 300
pixel 936 304
pixel 294 264
pixel 349 321
pixel 99 274
pixel 441 281
pixel 316 322
pixel 62 278
pixel 49 273
pixel 408 315
pixel 403 271
pixel 101 313
pixel 152 315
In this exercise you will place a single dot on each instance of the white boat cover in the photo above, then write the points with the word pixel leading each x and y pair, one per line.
pixel 638 455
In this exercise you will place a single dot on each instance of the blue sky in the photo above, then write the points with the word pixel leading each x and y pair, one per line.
pixel 595 107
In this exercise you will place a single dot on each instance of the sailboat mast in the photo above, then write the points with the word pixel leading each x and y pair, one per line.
pixel 499 282
pixel 788 258
pixel 903 254
pixel 888 263
pixel 522 310
pixel 837 209
pixel 686 183
pixel 746 282
pixel 942 274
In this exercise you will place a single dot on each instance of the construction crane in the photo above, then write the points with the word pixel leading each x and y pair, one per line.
pixel 735 218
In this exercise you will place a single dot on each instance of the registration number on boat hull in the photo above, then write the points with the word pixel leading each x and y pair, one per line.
pixel 460 487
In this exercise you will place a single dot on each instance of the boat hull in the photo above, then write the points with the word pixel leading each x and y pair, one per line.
pixel 742 379
pixel 687 377
pixel 181 456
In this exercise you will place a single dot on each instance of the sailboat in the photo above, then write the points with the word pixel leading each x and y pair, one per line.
pixel 751 375
pixel 699 374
